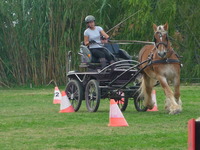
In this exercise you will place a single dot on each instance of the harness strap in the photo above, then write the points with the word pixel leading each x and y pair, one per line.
pixel 164 43
pixel 165 61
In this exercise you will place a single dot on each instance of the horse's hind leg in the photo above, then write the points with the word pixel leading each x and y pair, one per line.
pixel 171 104
pixel 146 89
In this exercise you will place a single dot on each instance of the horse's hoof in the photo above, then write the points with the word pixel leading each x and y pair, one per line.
pixel 175 109
pixel 167 109
pixel 174 112
pixel 150 106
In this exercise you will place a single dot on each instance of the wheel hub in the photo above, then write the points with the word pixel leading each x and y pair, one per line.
pixel 72 96
pixel 91 96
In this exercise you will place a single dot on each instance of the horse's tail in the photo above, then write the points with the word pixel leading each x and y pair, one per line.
pixel 142 90
pixel 146 87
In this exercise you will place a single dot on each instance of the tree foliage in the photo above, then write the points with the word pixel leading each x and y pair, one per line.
pixel 37 35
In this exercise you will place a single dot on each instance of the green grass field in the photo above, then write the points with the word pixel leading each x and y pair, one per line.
pixel 29 120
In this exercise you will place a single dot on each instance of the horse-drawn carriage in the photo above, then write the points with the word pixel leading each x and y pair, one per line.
pixel 158 62
pixel 118 81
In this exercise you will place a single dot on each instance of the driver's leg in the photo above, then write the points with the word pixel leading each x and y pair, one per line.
pixel 108 56
pixel 97 52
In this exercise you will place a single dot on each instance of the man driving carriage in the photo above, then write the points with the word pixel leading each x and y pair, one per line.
pixel 95 37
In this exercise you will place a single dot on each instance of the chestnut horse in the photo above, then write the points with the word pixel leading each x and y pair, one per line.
pixel 164 67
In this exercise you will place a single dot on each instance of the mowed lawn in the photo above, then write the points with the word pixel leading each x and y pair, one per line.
pixel 29 120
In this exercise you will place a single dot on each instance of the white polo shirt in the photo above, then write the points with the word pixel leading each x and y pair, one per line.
pixel 94 35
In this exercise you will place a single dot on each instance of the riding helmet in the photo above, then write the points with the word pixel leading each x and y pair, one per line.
pixel 89 18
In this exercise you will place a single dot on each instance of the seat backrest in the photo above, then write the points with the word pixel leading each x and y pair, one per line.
pixel 113 48
pixel 123 54
pixel 86 56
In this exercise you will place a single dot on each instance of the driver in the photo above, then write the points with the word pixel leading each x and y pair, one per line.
pixel 92 38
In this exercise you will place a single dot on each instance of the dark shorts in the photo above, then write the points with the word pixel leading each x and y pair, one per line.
pixel 101 53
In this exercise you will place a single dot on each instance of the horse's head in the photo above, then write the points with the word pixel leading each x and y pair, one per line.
pixel 161 39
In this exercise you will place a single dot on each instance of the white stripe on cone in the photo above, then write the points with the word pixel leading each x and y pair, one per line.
pixel 57 96
pixel 116 118
pixel 65 105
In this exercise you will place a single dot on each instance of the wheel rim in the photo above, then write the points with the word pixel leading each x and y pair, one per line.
pixel 92 96
pixel 72 93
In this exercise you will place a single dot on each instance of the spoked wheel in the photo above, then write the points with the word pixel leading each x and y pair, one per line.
pixel 138 101
pixel 74 92
pixel 92 95
pixel 122 101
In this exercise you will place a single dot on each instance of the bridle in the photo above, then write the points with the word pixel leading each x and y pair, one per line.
pixel 159 43
pixel 165 60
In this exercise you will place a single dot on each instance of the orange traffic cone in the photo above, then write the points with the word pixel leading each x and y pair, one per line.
pixel 153 95
pixel 57 96
pixel 116 117
pixel 65 105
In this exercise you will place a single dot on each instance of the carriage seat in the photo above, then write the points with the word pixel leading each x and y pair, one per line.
pixel 87 60
pixel 117 52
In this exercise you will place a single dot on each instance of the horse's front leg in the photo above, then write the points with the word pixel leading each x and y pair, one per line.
pixel 177 91
pixel 171 105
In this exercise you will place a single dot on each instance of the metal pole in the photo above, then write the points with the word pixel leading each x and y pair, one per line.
pixel 122 21
pixel 131 41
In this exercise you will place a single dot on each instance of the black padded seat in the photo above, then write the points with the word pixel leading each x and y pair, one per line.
pixel 117 52
pixel 113 48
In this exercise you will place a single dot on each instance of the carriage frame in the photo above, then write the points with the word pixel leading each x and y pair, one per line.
pixel 119 81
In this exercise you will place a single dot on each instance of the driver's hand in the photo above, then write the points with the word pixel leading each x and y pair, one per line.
pixel 92 41
pixel 103 38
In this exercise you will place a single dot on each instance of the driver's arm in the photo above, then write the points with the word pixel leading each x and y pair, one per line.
pixel 103 33
pixel 86 40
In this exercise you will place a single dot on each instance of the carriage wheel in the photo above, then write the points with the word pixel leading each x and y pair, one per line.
pixel 123 102
pixel 138 101
pixel 74 92
pixel 92 95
